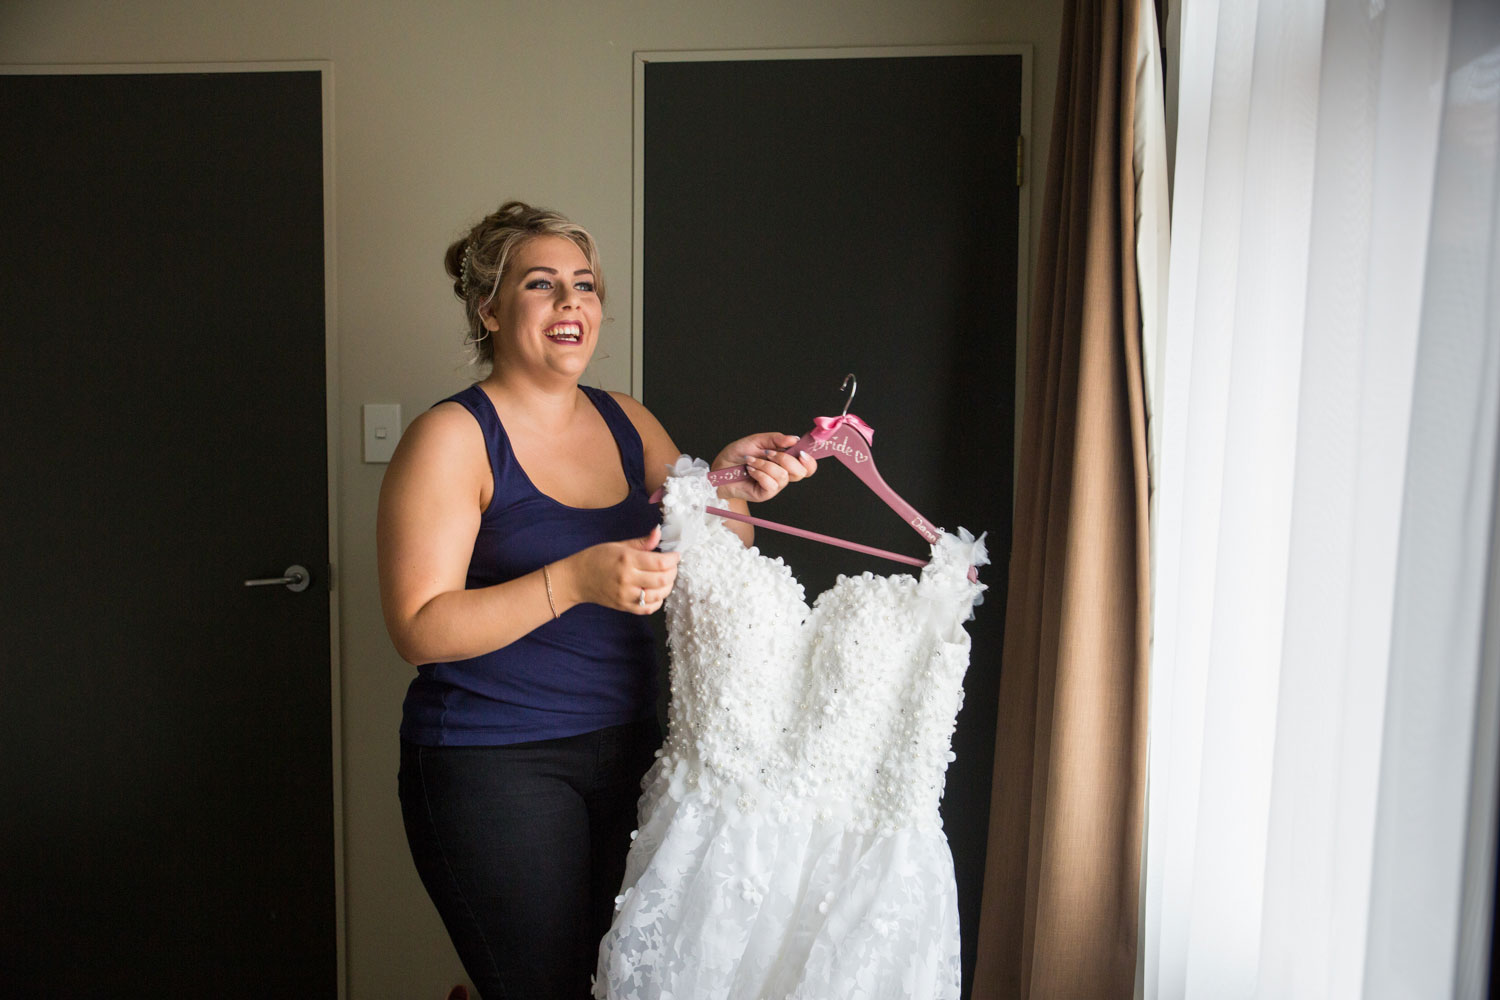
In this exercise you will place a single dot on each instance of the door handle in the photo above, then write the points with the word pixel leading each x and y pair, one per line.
pixel 296 579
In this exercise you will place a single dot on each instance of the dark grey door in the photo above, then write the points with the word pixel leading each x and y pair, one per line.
pixel 806 218
pixel 166 801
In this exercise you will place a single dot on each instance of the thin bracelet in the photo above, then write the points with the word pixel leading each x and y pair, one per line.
pixel 547 578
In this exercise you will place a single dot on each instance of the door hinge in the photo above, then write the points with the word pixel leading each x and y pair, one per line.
pixel 1020 159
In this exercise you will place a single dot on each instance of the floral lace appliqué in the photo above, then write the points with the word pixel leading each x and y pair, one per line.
pixel 790 844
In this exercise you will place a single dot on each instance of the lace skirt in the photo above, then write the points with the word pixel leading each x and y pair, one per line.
pixel 737 898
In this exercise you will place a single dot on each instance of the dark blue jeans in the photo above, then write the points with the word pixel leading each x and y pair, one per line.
pixel 522 849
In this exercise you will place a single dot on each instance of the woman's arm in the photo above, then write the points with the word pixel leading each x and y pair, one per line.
pixel 770 468
pixel 430 505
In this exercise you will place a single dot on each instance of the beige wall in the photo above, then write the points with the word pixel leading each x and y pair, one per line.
pixel 441 110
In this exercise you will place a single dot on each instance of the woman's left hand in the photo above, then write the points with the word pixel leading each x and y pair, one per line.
pixel 771 468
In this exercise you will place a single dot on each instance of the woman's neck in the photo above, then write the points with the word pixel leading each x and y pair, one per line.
pixel 545 404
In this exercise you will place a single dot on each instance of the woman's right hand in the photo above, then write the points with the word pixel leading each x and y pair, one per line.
pixel 627 576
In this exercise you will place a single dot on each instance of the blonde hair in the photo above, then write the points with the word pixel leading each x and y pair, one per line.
pixel 477 262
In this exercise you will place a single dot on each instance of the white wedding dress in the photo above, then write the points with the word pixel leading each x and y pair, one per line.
pixel 790 843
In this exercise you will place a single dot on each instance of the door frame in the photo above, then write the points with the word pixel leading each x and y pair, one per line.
pixel 638 174
pixel 324 68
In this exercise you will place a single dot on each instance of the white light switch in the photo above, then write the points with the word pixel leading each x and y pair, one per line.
pixel 382 430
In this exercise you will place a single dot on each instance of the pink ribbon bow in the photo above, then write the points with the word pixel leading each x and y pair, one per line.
pixel 824 427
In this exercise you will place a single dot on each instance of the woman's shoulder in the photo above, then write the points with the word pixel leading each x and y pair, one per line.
pixel 441 459
pixel 447 432
pixel 446 416
pixel 628 403
pixel 658 450
pixel 643 419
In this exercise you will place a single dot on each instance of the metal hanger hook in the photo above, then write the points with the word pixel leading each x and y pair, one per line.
pixel 847 379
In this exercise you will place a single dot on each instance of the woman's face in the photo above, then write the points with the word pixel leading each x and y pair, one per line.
pixel 546 314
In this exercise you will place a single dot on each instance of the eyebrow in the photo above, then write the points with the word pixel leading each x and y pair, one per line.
pixel 553 270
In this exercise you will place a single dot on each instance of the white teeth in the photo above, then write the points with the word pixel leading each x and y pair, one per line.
pixel 568 333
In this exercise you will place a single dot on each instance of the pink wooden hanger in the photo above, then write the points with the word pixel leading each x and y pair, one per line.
pixel 846 438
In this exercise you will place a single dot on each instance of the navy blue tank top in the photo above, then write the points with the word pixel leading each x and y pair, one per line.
pixel 591 667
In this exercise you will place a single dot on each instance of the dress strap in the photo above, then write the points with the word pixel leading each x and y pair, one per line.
pixel 632 451
pixel 496 443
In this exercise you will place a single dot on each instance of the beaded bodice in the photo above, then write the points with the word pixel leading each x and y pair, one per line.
pixel 843 709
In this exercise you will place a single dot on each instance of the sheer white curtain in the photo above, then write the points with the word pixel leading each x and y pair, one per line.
pixel 1321 800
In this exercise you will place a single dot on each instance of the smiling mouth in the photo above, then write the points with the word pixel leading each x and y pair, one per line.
pixel 565 333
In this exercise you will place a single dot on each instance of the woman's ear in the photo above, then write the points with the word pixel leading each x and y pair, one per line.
pixel 488 319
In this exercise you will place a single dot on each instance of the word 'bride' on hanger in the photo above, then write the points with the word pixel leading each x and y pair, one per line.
pixel 847 438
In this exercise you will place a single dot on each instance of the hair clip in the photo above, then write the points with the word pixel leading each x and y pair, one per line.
pixel 463 269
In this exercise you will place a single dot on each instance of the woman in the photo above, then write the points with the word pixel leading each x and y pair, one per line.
pixel 517 565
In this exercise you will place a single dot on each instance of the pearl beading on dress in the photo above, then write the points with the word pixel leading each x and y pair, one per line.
pixel 844 708
pixel 790 845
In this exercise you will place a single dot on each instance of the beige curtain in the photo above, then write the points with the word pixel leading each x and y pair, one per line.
pixel 1061 894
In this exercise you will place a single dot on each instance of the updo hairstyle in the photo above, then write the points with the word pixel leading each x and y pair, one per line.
pixel 478 260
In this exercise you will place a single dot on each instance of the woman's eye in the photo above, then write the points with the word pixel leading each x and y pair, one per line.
pixel 584 286
pixel 541 283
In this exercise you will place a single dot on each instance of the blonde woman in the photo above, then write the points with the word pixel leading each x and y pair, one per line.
pixel 517 564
